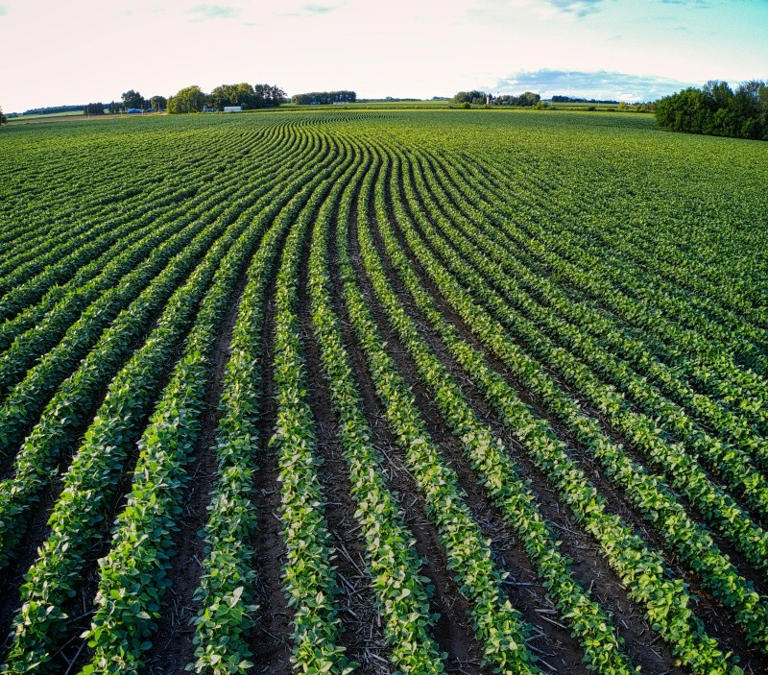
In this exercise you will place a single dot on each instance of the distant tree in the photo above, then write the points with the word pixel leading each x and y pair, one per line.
pixel 557 98
pixel 474 96
pixel 241 94
pixel 158 103
pixel 3 119
pixel 187 100
pixel 94 109
pixel 527 99
pixel 323 97
pixel 54 109
pixel 114 107
pixel 270 95
pixel 133 99
pixel 717 110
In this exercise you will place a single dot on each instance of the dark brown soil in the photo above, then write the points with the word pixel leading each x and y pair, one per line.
pixel 172 647
pixel 589 567
pixel 714 616
pixel 453 631
pixel 271 638
pixel 362 633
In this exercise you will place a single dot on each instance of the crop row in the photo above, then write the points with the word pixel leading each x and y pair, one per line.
pixel 57 267
pixel 131 586
pixel 103 267
pixel 647 492
pixel 79 226
pixel 682 470
pixel 587 320
pixel 497 624
pixel 73 403
pixel 400 591
pixel 308 575
pixel 641 568
pixel 701 360
pixel 77 522
pixel 501 478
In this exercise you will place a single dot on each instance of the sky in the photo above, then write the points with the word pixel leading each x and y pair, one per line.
pixel 56 53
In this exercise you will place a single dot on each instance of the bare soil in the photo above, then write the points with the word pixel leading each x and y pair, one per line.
pixel 172 647
pixel 362 633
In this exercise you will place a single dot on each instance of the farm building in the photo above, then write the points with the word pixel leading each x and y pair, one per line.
pixel 233 108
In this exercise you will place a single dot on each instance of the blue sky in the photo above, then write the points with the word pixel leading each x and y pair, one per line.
pixel 87 50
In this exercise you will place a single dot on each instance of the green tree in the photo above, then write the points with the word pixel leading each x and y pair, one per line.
pixel 474 96
pixel 158 103
pixel 270 95
pixel 718 110
pixel 187 100
pixel 94 109
pixel 316 97
pixel 241 94
pixel 132 99
pixel 3 119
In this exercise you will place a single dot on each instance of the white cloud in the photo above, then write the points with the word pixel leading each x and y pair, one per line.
pixel 598 84
pixel 206 12
pixel 94 50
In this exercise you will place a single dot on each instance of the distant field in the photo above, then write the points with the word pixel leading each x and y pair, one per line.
pixel 584 106
pixel 359 105
pixel 22 118
pixel 383 391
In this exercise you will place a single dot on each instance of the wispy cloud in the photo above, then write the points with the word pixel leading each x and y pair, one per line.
pixel 496 11
pixel 580 8
pixel 206 12
pixel 319 9
pixel 3 11
pixel 309 10
pixel 597 84
pixel 688 3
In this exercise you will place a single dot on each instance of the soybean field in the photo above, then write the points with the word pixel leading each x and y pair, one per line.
pixel 378 391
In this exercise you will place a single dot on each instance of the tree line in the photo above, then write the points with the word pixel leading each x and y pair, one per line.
pixel 248 96
pixel 189 99
pixel 717 110
pixel 476 97
pixel 559 98
pixel 49 110
pixel 324 97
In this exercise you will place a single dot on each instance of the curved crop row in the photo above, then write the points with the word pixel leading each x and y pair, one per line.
pixel 90 482
pixel 642 569
pixel 308 576
pixel 501 478
pixel 701 360
pixel 29 396
pixel 647 492
pixel 100 273
pixel 682 470
pixel 497 625
pixel 694 482
pixel 402 597
pixel 589 321
pixel 72 404
pixel 131 584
